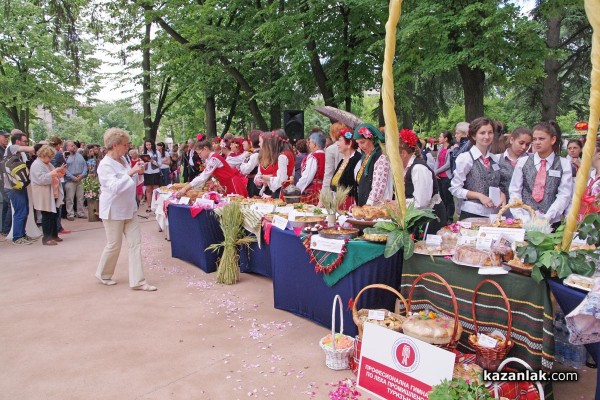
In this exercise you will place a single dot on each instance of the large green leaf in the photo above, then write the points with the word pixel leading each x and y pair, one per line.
pixel 409 246
pixel 394 243
pixel 388 226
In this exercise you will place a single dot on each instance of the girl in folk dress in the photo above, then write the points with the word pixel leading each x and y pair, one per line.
pixel 250 165
pixel 477 173
pixel 272 165
pixel 229 177
pixel 543 180
pixel 313 169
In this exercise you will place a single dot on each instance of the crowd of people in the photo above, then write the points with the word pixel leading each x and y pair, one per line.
pixel 476 170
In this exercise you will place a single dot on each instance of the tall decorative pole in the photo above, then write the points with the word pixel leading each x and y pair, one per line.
pixel 592 9
pixel 389 113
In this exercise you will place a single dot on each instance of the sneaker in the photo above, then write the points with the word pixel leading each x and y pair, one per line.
pixel 64 231
pixel 71 218
pixel 82 216
pixel 30 239
pixel 21 241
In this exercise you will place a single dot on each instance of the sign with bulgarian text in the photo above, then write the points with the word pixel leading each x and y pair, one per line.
pixel 396 366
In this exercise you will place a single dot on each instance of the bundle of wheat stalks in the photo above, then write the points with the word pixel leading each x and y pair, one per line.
pixel 331 201
pixel 231 219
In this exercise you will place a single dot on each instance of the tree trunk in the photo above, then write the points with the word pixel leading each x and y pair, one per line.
pixel 407 120
pixel 380 117
pixel 551 88
pixel 146 85
pixel 231 111
pixel 211 114
pixel 275 116
pixel 473 80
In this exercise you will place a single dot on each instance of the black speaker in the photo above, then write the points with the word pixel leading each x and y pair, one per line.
pixel 293 124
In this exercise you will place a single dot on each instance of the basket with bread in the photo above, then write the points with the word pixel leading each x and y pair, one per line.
pixel 430 327
pixel 385 318
pixel 492 348
pixel 501 222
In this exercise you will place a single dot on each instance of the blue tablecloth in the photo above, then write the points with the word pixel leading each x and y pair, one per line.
pixel 191 236
pixel 299 289
pixel 569 298
pixel 256 260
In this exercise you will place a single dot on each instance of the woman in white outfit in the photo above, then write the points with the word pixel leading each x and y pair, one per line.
pixel 118 211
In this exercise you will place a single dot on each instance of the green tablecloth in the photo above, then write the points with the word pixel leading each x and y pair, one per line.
pixel 530 303
pixel 359 252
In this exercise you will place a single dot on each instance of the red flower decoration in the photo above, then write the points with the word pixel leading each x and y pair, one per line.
pixel 409 137
pixel 350 303
pixel 346 133
pixel 363 131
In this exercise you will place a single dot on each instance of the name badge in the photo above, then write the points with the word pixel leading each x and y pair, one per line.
pixel 554 173
pixel 495 167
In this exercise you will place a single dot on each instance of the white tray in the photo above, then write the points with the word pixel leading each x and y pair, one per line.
pixel 569 282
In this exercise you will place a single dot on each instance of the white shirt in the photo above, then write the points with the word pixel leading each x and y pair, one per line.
pixel 212 163
pixel 164 159
pixel 236 161
pixel 464 163
pixel 153 167
pixel 332 159
pixel 422 183
pixel 276 181
pixel 248 166
pixel 309 172
pixel 117 190
pixel 563 196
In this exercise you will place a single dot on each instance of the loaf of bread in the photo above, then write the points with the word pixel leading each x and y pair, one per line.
pixel 369 212
pixel 468 254
pixel 431 328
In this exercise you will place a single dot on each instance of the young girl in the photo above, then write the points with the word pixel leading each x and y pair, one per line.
pixel 519 142
pixel 139 189
pixel 543 180
pixel 165 165
pixel 574 147
pixel 229 177
pixel 443 173
pixel 272 165
pixel 477 174
pixel 152 175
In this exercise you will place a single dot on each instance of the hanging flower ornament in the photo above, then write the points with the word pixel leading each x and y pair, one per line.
pixel 409 137
pixel 346 133
pixel 365 132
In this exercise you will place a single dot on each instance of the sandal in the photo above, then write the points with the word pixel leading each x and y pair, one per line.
pixel 108 282
pixel 145 287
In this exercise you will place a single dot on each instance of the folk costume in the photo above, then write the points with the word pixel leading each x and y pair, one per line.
pixel 279 176
pixel 250 168
pixel 343 176
pixel 229 177
pixel 311 180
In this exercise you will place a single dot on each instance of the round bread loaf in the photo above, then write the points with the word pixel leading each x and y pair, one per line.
pixel 437 330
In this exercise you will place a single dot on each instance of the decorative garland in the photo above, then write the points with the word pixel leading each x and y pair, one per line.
pixel 320 257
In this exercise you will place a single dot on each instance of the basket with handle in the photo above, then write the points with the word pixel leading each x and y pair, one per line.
pixel 337 358
pixel 394 318
pixel 451 345
pixel 513 388
pixel 490 358
pixel 515 204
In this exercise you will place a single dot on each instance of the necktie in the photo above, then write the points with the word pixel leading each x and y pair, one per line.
pixel 540 183
pixel 486 162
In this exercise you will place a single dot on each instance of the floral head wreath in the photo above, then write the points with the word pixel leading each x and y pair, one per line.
pixel 368 131
pixel 267 135
pixel 346 133
pixel 409 137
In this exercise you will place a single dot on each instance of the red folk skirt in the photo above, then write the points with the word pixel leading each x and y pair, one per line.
pixel 311 193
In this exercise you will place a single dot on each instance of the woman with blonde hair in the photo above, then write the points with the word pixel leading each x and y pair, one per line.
pixel 47 192
pixel 332 153
pixel 118 211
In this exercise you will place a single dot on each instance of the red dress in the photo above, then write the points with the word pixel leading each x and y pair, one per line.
pixel 312 191
pixel 230 178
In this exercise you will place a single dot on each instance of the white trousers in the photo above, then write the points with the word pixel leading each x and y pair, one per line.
pixel 72 190
pixel 115 230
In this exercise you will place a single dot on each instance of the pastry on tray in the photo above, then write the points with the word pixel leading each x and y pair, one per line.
pixel 439 250
pixel 369 212
pixel 468 254
pixel 375 235
pixel 431 327
pixel 391 321
pixel 468 372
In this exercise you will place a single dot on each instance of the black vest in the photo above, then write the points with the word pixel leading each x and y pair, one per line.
pixel 366 182
pixel 347 177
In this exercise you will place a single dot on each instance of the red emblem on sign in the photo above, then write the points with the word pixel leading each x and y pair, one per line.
pixel 581 126
pixel 406 355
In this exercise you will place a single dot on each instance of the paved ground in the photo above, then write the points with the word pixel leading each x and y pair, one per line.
pixel 63 335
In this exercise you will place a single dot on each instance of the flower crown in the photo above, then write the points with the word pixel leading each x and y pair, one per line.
pixel 346 133
pixel 267 135
pixel 409 137
pixel 365 132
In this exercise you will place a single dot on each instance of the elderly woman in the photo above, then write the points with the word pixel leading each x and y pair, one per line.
pixel 372 173
pixel 313 169
pixel 118 211
pixel 419 180
pixel 47 192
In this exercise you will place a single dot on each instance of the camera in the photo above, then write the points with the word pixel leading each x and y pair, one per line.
pixel 67 153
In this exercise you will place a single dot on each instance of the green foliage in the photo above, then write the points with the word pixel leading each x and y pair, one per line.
pixel 400 230
pixel 544 252
pixel 459 389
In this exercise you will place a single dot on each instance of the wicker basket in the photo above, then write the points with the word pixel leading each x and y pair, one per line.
pixel 515 204
pixel 337 359
pixel 450 346
pixel 489 358
pixel 357 314
pixel 538 385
